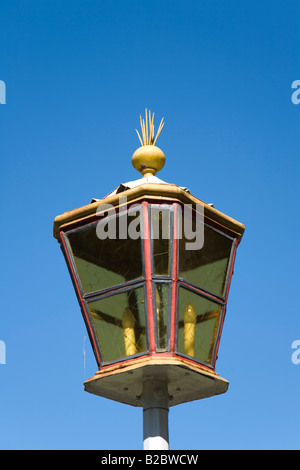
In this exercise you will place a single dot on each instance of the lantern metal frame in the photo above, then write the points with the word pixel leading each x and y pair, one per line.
pixel 148 282
pixel 122 379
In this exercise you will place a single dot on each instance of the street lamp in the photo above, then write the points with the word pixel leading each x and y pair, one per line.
pixel 151 266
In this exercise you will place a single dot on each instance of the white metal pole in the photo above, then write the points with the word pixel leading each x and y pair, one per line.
pixel 155 415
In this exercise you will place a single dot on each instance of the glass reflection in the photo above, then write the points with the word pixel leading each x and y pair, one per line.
pixel 119 322
pixel 103 263
pixel 161 236
pixel 208 266
pixel 198 321
pixel 162 309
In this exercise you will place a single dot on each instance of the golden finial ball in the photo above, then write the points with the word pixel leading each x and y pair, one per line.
pixel 148 159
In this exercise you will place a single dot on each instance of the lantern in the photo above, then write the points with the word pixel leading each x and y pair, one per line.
pixel 151 265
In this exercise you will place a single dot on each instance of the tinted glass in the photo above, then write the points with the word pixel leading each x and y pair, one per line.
pixel 198 321
pixel 103 263
pixel 161 312
pixel 161 236
pixel 206 266
pixel 119 322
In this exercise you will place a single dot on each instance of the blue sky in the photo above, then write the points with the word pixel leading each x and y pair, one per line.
pixel 78 74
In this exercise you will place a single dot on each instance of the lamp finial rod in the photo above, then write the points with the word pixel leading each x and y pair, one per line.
pixel 148 159
pixel 147 129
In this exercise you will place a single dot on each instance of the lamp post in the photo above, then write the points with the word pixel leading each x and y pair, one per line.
pixel 151 266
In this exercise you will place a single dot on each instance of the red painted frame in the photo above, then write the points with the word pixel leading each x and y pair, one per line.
pixel 173 319
pixel 149 294
pixel 148 276
pixel 81 301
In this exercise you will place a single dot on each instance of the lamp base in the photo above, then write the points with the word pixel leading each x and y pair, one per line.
pixel 186 381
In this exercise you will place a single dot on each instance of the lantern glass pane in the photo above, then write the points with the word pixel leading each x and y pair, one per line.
pixel 198 321
pixel 161 312
pixel 161 236
pixel 106 262
pixel 119 322
pixel 204 263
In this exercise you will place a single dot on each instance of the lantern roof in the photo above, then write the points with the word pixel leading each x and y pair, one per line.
pixel 148 179
pixel 148 159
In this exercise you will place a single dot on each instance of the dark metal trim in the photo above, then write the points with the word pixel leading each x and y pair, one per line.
pixel 202 293
pixel 205 291
pixel 73 264
pixel 116 287
pixel 112 291
pixel 229 267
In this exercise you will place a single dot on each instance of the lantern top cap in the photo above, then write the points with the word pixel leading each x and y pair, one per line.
pixel 148 159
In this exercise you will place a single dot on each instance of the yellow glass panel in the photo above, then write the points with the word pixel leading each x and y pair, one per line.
pixel 119 322
pixel 162 308
pixel 205 267
pixel 103 263
pixel 161 235
pixel 198 321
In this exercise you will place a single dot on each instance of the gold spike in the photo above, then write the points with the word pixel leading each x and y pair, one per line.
pixel 152 129
pixel 146 115
pixel 143 130
pixel 139 136
pixel 159 130
pixel 147 128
